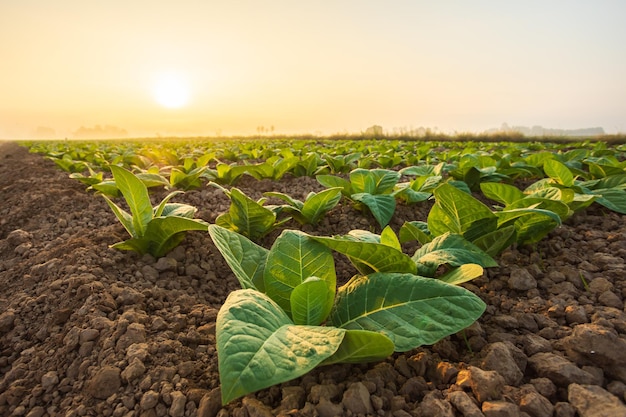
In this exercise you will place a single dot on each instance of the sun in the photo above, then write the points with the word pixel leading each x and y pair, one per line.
pixel 171 90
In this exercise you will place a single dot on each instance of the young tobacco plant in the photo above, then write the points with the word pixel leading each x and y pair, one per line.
pixel 314 207
pixel 289 317
pixel 368 188
pixel 246 216
pixel 153 230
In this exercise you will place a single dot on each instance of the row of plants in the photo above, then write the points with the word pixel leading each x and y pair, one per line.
pixel 289 315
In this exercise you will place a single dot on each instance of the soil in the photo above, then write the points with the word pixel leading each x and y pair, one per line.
pixel 86 330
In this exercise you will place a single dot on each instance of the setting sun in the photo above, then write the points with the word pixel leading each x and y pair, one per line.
pixel 171 90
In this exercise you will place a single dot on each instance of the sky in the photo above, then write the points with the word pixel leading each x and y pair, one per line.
pixel 72 68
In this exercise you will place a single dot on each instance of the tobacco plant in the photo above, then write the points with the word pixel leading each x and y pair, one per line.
pixel 314 207
pixel 246 216
pixel 153 230
pixel 289 317
pixel 369 189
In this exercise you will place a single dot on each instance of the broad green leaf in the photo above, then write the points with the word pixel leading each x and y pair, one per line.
pixel 136 195
pixel 179 210
pixel 368 256
pixel 415 230
pixel 158 211
pixel 316 205
pixel 359 346
pixel 463 273
pixel 406 193
pixel 362 181
pixel 245 258
pixel 389 238
pixel 411 310
pixel 165 233
pixel 249 217
pixel 558 172
pixel 495 242
pixel 449 249
pixel 311 301
pixel 293 258
pixel 502 193
pixel 285 197
pixel 259 346
pixel 384 180
pixel 455 211
pixel 382 206
pixel 332 181
pixel 612 198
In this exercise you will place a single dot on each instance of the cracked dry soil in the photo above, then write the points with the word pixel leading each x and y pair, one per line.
pixel 86 330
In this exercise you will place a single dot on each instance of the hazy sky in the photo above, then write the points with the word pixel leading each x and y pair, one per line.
pixel 201 67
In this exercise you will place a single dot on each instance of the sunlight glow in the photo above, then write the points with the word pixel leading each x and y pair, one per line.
pixel 171 90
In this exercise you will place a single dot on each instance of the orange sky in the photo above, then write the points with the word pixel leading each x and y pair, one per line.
pixel 308 67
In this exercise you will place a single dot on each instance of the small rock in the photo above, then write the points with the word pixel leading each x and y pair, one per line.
pixel 433 405
pixel 137 350
pixel 500 409
pixel 590 344
pixel 600 285
pixel 357 399
pixel 594 401
pixel 486 385
pixel 293 398
pixel 211 403
pixel 177 409
pixel 37 411
pixel 88 335
pixel 575 315
pixel 563 409
pixel 149 400
pixel 327 391
pixel 7 319
pixel 536 405
pixel 326 408
pixel 558 369
pixel 464 404
pixel 610 299
pixel 499 358
pixel 166 264
pixel 256 408
pixel 134 370
pixel 521 280
pixel 105 382
pixel 49 380
pixel 533 343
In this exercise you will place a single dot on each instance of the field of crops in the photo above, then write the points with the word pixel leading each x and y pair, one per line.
pixel 312 277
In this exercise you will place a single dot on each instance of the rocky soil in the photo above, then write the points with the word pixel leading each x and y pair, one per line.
pixel 86 330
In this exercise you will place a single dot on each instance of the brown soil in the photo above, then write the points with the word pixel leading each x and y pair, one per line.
pixel 86 330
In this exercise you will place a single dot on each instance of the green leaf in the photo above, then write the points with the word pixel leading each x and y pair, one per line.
pixel 359 346
pixel 258 346
pixel 158 211
pixel 123 216
pixel 368 256
pixel 389 238
pixel 245 258
pixel 249 217
pixel 612 198
pixel 293 258
pixel 311 301
pixel 449 249
pixel 411 310
pixel 136 195
pixel 382 206
pixel 558 172
pixel 495 242
pixel 332 181
pixel 165 233
pixel 316 205
pixel 502 193
pixel 455 211
pixel 463 273
pixel 415 230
